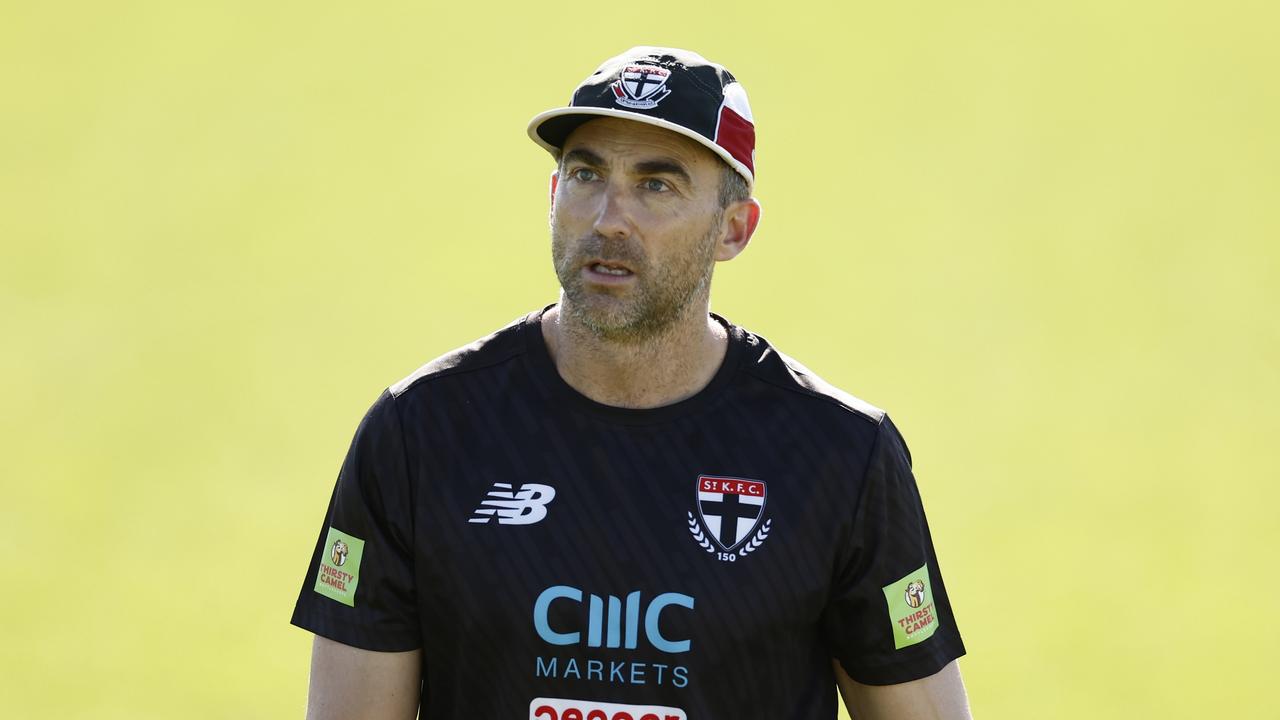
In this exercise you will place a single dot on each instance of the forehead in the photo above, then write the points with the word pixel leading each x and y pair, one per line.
pixel 617 139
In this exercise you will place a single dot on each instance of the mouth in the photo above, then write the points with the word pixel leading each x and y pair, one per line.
pixel 606 271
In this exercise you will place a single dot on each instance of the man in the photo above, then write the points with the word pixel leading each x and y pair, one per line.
pixel 624 507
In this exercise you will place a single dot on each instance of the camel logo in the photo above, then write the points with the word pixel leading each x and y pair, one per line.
pixel 339 571
pixel 912 612
pixel 340 550
pixel 915 593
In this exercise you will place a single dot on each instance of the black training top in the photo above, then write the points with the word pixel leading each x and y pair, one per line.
pixel 560 559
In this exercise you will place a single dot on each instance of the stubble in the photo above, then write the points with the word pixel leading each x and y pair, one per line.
pixel 661 294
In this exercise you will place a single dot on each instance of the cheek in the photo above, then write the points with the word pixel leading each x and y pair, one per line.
pixel 561 219
pixel 566 211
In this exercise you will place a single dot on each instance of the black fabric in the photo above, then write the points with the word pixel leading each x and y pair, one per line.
pixel 841 519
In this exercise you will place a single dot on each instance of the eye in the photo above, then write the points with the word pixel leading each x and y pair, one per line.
pixel 584 175
pixel 656 185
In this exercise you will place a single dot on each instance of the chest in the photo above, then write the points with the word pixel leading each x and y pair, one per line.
pixel 681 545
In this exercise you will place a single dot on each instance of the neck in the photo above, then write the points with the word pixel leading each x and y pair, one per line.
pixel 665 368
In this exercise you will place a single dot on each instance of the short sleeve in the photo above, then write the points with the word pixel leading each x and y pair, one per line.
pixel 888 619
pixel 359 587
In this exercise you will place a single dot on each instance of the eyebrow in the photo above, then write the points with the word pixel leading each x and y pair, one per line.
pixel 586 157
pixel 661 166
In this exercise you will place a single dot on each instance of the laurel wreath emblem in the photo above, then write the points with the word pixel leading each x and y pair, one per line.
pixel 750 546
pixel 761 535
pixel 696 531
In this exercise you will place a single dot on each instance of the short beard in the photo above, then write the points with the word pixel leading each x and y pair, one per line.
pixel 661 295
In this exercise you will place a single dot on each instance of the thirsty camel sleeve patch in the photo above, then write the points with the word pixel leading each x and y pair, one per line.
pixel 340 567
pixel 911 608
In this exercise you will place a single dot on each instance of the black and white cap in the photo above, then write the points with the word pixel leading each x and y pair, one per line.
pixel 678 90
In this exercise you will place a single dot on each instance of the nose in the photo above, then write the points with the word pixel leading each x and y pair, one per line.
pixel 613 216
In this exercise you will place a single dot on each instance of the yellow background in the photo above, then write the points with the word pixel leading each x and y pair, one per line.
pixel 1042 234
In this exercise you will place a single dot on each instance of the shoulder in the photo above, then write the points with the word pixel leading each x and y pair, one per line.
pixel 489 352
pixel 765 363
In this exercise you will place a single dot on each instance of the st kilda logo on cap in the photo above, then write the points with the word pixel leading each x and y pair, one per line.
pixel 641 87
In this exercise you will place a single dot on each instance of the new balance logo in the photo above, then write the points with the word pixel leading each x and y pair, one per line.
pixel 525 506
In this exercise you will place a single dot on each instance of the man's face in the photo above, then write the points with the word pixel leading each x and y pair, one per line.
pixel 635 220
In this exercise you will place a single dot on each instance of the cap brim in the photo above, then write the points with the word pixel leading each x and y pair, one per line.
pixel 551 128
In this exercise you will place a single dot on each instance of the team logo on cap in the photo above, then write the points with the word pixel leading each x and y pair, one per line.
pixel 641 87
pixel 732 512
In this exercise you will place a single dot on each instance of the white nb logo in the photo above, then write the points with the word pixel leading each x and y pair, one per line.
pixel 525 506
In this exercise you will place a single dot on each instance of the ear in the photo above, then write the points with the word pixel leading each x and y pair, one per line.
pixel 740 222
pixel 555 183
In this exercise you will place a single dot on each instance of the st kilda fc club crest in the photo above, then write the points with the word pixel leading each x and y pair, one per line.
pixel 730 521
pixel 641 87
